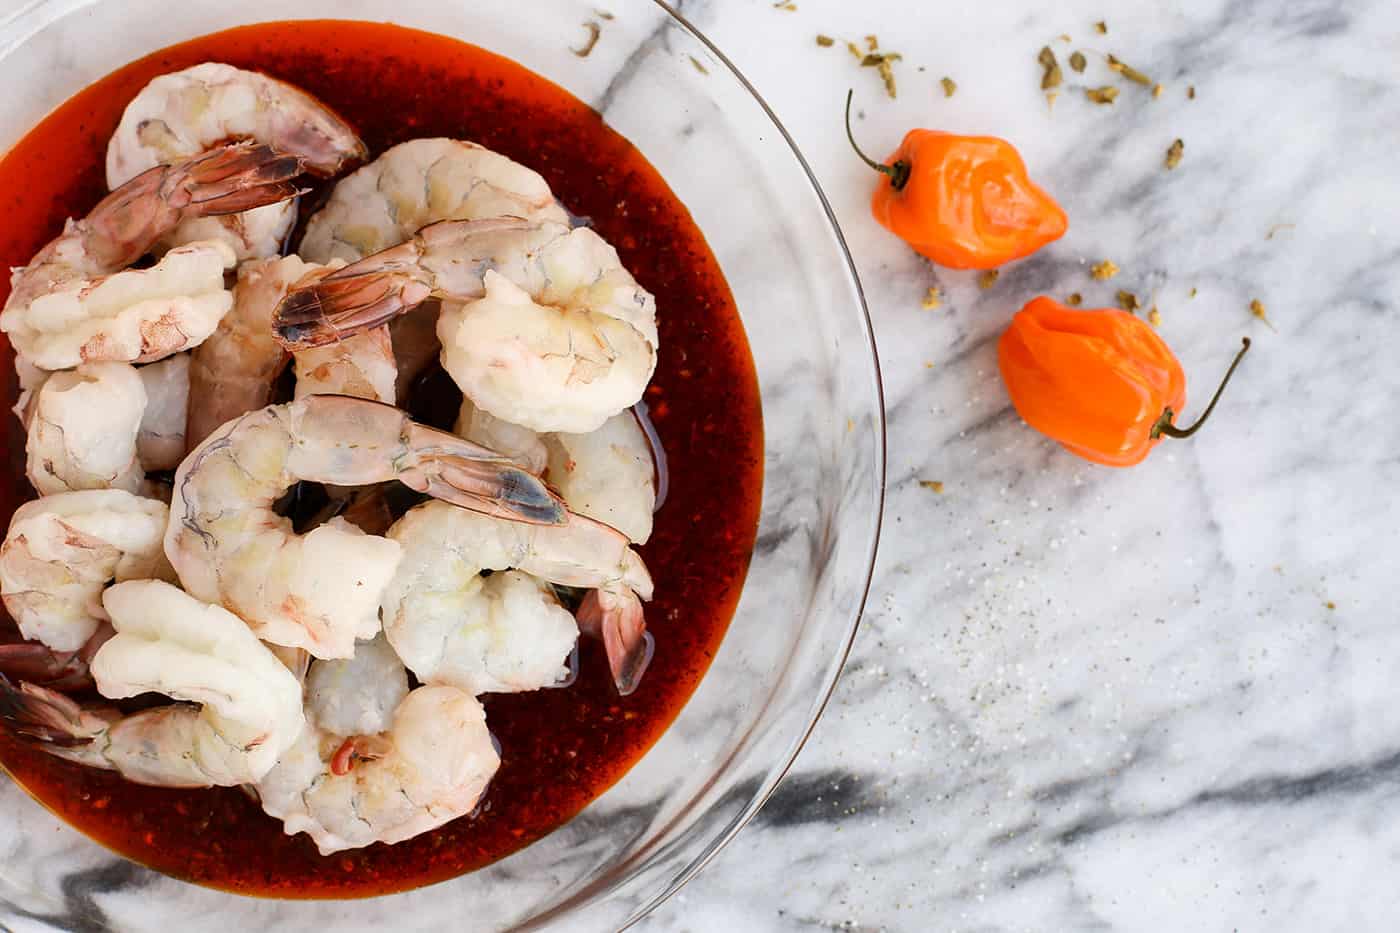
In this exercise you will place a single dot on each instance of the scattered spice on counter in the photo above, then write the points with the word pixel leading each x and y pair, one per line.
pixel 1101 27
pixel 932 299
pixel 1065 37
pixel 1256 308
pixel 855 50
pixel 787 5
pixel 950 87
pixel 1104 270
pixel 1128 71
pixel 1078 62
pixel 1102 95
pixel 872 42
pixel 604 15
pixel 1174 152
pixel 1074 300
pixel 1192 293
pixel 1102 383
pixel 1128 301
pixel 594 31
pixel 699 65
pixel 965 202
pixel 1157 90
pixel 1052 75
pixel 881 61
pixel 988 278
pixel 825 42
pixel 935 485
pixel 1154 317
pixel 1331 605
pixel 1191 92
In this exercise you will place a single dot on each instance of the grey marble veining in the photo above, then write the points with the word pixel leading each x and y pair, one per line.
pixel 1083 699
pixel 1091 699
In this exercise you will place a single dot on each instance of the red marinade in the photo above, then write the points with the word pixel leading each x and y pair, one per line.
pixel 561 748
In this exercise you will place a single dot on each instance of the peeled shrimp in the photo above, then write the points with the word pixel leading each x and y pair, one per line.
pixel 418 183
pixel 160 440
pixel 362 366
pixel 233 372
pixel 555 334
pixel 61 552
pixel 451 626
pixel 181 114
pixel 607 474
pixel 431 766
pixel 320 591
pixel 72 304
pixel 250 706
pixel 357 695
pixel 83 429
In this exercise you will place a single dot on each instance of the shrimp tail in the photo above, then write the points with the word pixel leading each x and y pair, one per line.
pixel 233 179
pixel 477 478
pixel 341 306
pixel 617 618
pixel 47 715
pixel 31 661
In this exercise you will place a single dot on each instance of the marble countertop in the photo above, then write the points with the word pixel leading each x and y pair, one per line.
pixel 1093 699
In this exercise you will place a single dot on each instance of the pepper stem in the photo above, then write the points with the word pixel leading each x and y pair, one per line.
pixel 1164 424
pixel 898 172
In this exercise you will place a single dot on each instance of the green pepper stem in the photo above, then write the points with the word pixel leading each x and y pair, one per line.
pixel 898 172
pixel 1164 424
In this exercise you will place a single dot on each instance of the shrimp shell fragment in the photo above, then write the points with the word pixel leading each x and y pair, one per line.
pixel 61 551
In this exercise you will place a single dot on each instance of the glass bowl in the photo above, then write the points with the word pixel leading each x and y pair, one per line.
pixel 667 89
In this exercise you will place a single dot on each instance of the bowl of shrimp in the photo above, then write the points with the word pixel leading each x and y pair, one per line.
pixel 446 462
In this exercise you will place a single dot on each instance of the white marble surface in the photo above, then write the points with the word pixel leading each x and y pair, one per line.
pixel 1091 699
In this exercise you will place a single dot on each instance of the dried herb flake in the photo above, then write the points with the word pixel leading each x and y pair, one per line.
pixel 882 62
pixel 1174 152
pixel 1052 76
pixel 787 5
pixel 699 66
pixel 1157 90
pixel 1078 62
pixel 872 42
pixel 1101 27
pixel 989 278
pixel 1128 301
pixel 1256 308
pixel 1191 92
pixel 1074 300
pixel 604 15
pixel 1192 293
pixel 825 42
pixel 1128 71
pixel 594 31
pixel 935 485
pixel 1102 95
pixel 1154 317
pixel 1104 270
pixel 932 299
pixel 950 87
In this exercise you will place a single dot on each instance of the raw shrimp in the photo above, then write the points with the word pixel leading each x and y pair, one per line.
pixel 362 366
pixel 418 183
pixel 358 695
pixel 62 551
pixel 249 711
pixel 83 428
pixel 411 185
pixel 607 474
pixel 320 591
pixel 182 114
pixel 72 304
pixel 233 372
pixel 451 626
pixel 160 442
pixel 57 670
pixel 555 334
pixel 430 767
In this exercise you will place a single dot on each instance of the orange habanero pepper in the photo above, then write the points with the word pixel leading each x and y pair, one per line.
pixel 1101 382
pixel 965 202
